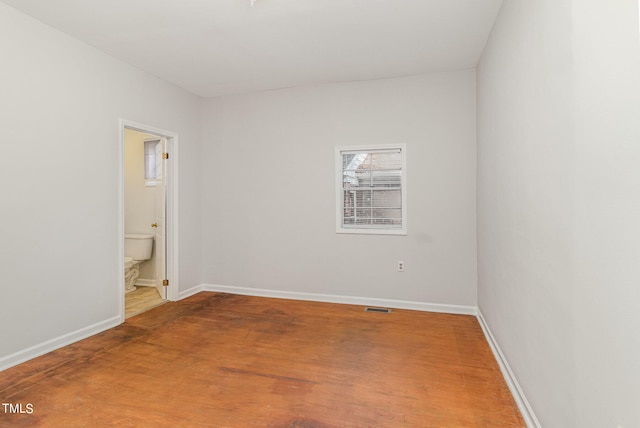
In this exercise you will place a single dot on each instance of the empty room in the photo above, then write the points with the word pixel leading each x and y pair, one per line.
pixel 320 213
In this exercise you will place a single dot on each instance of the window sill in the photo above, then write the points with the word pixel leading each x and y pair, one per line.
pixel 365 231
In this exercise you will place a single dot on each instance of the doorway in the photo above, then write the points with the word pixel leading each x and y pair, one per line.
pixel 148 159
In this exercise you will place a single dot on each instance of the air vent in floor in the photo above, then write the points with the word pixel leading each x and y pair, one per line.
pixel 380 310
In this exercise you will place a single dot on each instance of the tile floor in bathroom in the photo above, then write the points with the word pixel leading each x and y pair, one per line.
pixel 143 299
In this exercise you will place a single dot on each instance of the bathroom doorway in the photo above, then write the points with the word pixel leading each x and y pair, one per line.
pixel 147 217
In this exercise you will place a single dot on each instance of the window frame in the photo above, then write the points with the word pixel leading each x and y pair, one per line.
pixel 151 181
pixel 369 229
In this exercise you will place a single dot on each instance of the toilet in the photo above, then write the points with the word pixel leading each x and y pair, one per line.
pixel 137 248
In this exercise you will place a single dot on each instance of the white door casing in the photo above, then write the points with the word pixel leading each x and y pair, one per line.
pixel 160 219
pixel 170 218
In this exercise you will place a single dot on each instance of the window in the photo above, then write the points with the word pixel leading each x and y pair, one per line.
pixel 152 161
pixel 371 190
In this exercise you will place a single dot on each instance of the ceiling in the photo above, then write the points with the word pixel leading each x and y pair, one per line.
pixel 219 47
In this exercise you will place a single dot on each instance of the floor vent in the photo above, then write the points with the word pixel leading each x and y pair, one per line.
pixel 380 310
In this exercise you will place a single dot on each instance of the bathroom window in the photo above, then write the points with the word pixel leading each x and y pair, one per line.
pixel 371 190
pixel 152 161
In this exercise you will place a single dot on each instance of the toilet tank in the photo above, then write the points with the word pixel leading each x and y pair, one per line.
pixel 138 245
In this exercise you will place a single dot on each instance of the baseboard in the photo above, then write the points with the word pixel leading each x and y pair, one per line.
pixel 190 292
pixel 521 400
pixel 330 298
pixel 143 282
pixel 58 342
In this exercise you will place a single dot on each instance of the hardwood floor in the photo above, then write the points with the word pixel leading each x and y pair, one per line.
pixel 222 360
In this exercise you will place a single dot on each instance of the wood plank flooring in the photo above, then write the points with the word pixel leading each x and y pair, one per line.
pixel 222 360
pixel 143 299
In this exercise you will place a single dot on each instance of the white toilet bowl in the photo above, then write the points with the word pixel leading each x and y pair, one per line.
pixel 138 247
pixel 131 274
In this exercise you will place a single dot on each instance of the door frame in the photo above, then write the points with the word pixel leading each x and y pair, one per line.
pixel 171 220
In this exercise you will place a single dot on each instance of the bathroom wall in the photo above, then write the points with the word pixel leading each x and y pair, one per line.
pixel 139 199
pixel 59 110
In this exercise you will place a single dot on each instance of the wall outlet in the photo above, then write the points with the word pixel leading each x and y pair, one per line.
pixel 400 266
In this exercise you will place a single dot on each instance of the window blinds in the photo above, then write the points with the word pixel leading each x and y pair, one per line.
pixel 372 182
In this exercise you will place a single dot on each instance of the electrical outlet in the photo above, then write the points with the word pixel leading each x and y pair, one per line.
pixel 400 266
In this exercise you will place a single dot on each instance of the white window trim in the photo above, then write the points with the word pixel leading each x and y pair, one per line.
pixel 369 230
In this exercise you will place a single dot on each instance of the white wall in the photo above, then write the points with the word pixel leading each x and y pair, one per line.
pixel 525 172
pixel 139 199
pixel 607 213
pixel 59 110
pixel 558 150
pixel 269 201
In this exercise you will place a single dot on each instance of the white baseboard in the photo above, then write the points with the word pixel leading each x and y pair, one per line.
pixel 331 298
pixel 190 292
pixel 144 282
pixel 521 400
pixel 58 342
